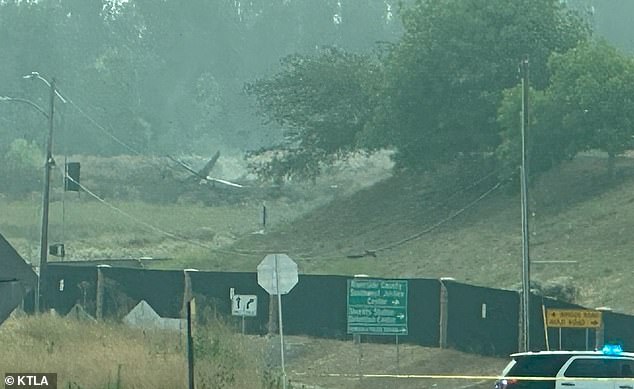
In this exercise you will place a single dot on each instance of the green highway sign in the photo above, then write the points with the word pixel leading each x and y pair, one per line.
pixel 377 307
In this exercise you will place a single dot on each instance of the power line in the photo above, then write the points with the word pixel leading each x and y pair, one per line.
pixel 120 211
pixel 146 224
pixel 258 252
pixel 118 140
pixel 441 222
pixel 372 252
pixel 253 253
pixel 103 129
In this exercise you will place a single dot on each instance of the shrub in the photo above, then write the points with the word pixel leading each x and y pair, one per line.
pixel 19 168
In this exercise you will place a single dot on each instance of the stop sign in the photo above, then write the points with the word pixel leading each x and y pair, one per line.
pixel 277 274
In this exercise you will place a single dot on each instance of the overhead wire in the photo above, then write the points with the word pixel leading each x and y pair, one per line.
pixel 103 129
pixel 111 206
pixel 459 191
pixel 372 252
pixel 441 222
pixel 129 216
pixel 120 211
pixel 333 254
pixel 337 254
pixel 110 135
pixel 144 223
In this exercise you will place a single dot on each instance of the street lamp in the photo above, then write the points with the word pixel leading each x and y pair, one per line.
pixel 25 101
pixel 34 75
pixel 48 166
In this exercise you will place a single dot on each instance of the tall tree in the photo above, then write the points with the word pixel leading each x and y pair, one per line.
pixel 322 102
pixel 589 105
pixel 549 143
pixel 593 90
pixel 444 79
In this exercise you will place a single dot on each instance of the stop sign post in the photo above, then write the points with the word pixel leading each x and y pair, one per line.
pixel 277 274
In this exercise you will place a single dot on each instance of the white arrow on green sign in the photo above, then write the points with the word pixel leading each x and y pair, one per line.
pixel 377 307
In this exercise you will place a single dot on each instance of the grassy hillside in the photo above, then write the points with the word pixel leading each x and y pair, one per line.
pixel 445 225
pixel 454 222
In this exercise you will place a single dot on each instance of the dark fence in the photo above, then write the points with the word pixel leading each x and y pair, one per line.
pixel 11 294
pixel 321 302
pixel 482 320
pixel 67 286
pixel 424 312
pixel 476 319
pixel 125 288
pixel 619 328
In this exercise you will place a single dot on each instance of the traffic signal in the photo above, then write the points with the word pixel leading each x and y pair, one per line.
pixel 71 180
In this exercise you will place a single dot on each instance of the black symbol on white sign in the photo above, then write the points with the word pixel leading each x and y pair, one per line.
pixel 244 305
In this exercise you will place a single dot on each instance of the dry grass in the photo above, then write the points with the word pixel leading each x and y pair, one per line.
pixel 100 355
pixel 89 355
pixel 321 362
pixel 109 355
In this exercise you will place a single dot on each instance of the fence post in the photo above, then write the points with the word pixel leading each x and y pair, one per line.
pixel 600 332
pixel 188 293
pixel 444 311
pixel 100 291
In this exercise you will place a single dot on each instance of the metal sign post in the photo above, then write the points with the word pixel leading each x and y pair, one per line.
pixel 280 323
pixel 190 347
pixel 398 359
pixel 277 274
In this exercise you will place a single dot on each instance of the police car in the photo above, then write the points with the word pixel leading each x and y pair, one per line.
pixel 610 368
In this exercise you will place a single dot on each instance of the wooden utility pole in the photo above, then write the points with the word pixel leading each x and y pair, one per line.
pixel 40 301
pixel 526 287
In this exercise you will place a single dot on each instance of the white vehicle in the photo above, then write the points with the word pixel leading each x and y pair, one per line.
pixel 610 368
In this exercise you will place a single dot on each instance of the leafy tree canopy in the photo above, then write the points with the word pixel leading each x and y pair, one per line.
pixel 444 79
pixel 548 143
pixel 593 90
pixel 322 102
pixel 588 105
pixel 164 76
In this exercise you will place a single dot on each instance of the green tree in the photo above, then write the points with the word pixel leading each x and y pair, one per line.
pixel 19 167
pixel 444 79
pixel 593 90
pixel 548 143
pixel 321 102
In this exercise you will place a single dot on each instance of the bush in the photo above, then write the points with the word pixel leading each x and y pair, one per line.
pixel 559 288
pixel 19 168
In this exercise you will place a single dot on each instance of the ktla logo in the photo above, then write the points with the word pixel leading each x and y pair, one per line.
pixel 30 380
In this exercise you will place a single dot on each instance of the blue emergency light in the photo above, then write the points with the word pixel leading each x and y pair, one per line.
pixel 612 349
